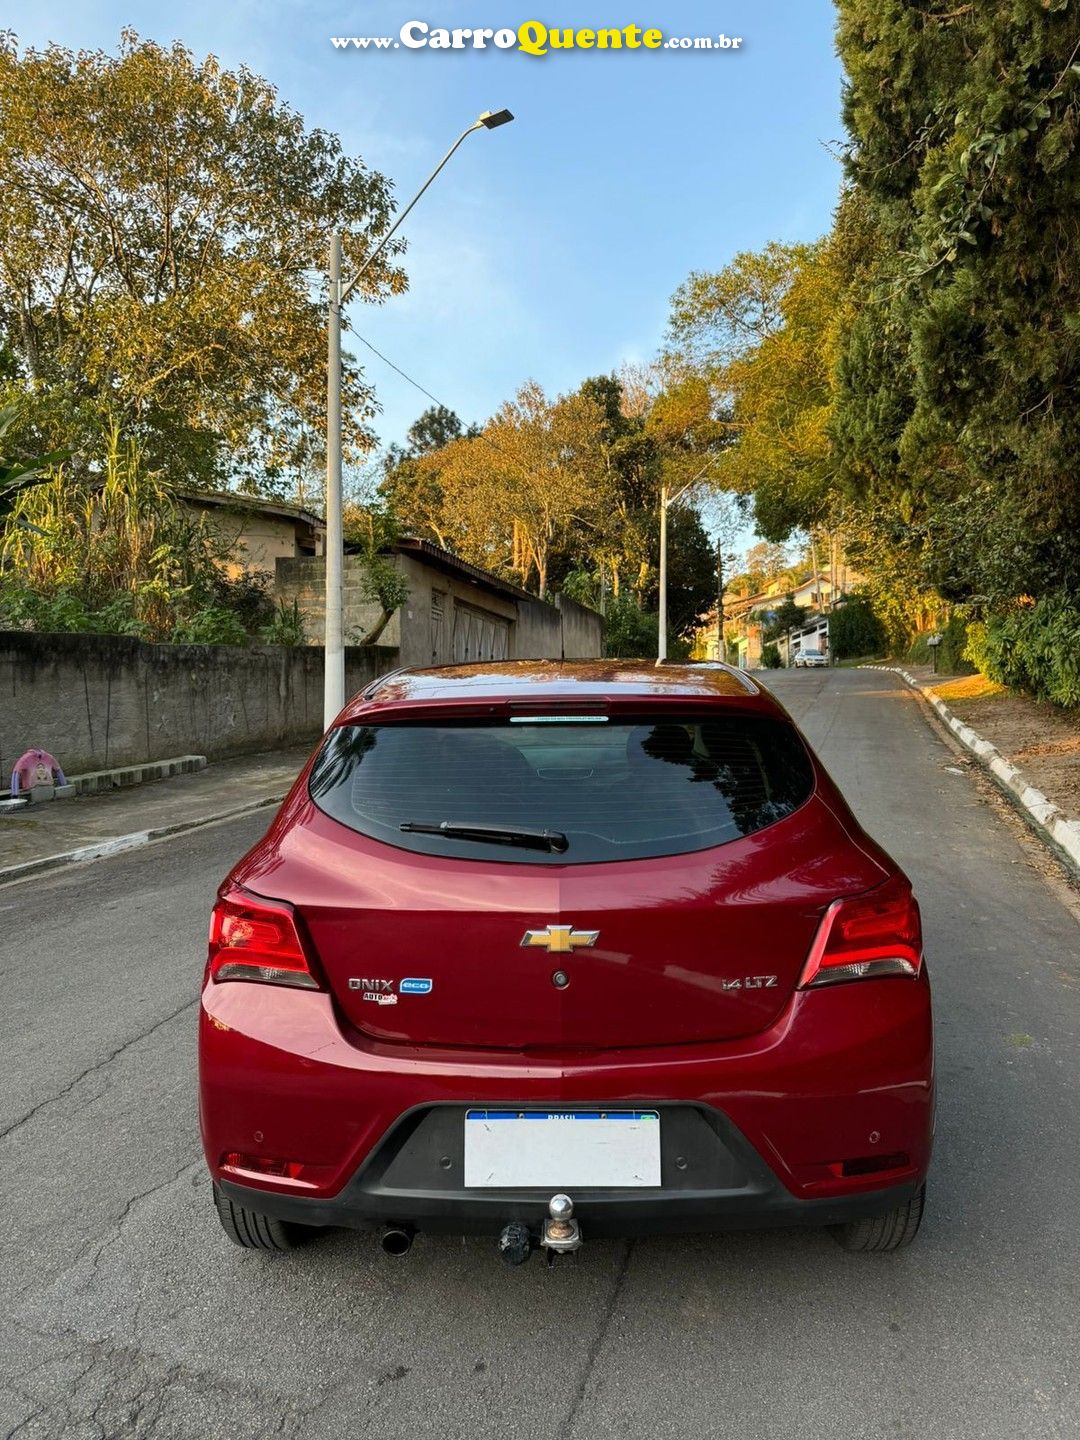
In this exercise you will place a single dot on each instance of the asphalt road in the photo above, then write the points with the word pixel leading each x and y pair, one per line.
pixel 126 1312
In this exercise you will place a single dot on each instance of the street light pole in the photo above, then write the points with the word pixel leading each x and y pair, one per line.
pixel 661 646
pixel 666 502
pixel 333 623
pixel 720 599
pixel 334 544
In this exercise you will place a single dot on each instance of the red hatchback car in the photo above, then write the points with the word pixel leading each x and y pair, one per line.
pixel 551 950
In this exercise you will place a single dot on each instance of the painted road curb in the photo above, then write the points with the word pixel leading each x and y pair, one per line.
pixel 119 844
pixel 1050 819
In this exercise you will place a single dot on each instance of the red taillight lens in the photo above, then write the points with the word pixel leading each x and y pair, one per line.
pixel 254 939
pixel 867 937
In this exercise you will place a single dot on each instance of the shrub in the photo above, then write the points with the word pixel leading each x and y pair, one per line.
pixel 1033 648
pixel 770 657
pixel 65 611
pixel 287 626
pixel 112 551
pixel 854 629
pixel 952 656
pixel 247 595
pixel 629 633
pixel 212 626
pixel 977 648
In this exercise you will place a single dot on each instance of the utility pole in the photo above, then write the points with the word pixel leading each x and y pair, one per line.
pixel 719 599
pixel 333 623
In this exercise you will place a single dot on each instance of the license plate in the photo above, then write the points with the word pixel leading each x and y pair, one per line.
pixel 561 1150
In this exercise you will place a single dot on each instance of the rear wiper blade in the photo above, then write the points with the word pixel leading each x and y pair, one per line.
pixel 526 835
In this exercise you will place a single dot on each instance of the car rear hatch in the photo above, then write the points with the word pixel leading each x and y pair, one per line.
pixel 697 863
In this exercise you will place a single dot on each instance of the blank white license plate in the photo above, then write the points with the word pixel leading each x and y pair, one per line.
pixel 561 1150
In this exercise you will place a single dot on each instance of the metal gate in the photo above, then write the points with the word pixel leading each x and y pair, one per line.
pixel 479 635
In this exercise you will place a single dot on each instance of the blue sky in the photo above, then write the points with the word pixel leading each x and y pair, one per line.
pixel 550 248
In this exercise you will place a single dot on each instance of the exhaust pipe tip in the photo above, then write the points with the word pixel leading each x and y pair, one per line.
pixel 396 1240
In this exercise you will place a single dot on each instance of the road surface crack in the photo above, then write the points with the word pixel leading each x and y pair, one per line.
pixel 597 1344
pixel 93 1069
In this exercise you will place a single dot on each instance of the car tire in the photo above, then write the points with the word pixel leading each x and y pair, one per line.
pixel 894 1230
pixel 252 1231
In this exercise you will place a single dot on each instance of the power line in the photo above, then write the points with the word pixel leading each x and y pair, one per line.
pixel 398 370
pixel 417 386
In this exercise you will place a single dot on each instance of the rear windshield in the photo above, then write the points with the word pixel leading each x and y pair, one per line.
pixel 612 790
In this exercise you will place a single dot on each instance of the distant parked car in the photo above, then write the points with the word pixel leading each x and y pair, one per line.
pixel 809 657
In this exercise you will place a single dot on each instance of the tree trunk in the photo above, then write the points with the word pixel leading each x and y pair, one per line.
pixel 377 629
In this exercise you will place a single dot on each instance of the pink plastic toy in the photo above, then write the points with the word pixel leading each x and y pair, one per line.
pixel 36 767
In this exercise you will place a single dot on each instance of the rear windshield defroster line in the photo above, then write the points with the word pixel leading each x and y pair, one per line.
pixel 633 788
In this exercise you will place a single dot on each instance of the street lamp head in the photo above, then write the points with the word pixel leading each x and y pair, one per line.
pixel 492 119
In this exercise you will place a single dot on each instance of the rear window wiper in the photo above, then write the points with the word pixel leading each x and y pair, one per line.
pixel 524 835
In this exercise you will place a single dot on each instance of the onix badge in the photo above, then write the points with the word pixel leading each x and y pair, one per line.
pixel 560 939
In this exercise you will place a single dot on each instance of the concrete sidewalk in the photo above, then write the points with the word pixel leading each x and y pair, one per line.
pixel 43 835
pixel 1059 827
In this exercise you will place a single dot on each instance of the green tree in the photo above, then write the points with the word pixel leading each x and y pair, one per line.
pixel 412 492
pixel 762 331
pixel 854 629
pixel 161 222
pixel 958 407
pixel 787 616
pixel 370 530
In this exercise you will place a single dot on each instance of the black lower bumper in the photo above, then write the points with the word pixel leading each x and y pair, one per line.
pixel 712 1179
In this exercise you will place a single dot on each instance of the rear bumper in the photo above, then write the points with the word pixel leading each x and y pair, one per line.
pixel 844 1073
pixel 713 1180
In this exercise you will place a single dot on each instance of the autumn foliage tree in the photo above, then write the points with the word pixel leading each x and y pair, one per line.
pixel 512 492
pixel 564 493
pixel 163 227
pixel 762 330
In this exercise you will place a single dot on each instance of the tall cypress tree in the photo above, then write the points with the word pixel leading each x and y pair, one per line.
pixel 959 379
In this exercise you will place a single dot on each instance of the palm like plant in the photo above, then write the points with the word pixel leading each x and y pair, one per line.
pixel 19 475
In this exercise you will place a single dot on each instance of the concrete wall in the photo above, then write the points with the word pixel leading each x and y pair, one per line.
pixel 444 613
pixel 102 700
pixel 582 630
pixel 538 632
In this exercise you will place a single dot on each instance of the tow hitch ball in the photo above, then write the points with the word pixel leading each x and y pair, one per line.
pixel 561 1234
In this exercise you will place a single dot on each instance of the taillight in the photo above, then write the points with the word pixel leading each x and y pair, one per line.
pixel 869 936
pixel 254 939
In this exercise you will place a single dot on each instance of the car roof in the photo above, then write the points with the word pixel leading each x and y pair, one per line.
pixel 521 681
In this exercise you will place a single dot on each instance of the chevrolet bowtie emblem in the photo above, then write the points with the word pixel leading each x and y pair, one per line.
pixel 560 939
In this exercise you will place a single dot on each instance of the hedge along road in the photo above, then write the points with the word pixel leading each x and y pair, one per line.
pixel 129 1314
